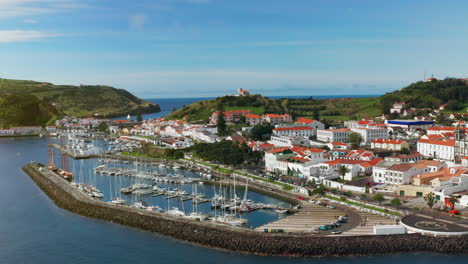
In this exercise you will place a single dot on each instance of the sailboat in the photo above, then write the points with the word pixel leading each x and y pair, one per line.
pixel 196 215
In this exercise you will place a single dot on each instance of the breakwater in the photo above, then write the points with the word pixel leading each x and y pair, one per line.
pixel 234 239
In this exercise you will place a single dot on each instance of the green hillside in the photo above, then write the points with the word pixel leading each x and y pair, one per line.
pixel 73 100
pixel 26 110
pixel 453 92
pixel 328 108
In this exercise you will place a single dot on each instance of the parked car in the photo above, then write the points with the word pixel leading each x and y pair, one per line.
pixel 323 227
pixel 336 232
pixel 330 226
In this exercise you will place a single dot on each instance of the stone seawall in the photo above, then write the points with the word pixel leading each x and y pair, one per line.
pixel 235 239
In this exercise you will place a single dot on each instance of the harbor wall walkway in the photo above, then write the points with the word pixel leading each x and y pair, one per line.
pixel 208 234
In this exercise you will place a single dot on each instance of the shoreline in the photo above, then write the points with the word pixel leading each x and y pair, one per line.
pixel 238 240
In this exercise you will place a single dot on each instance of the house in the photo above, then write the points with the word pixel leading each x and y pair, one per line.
pixel 413 157
pixel 442 107
pixel 275 119
pixel 229 116
pixel 333 135
pixel 359 154
pixel 236 138
pixel 437 149
pixel 389 144
pixel 253 119
pixel 397 108
pixel 305 131
pixel 26 130
pixel 332 167
pixel 338 145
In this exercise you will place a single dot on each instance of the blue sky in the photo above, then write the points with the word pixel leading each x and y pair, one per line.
pixel 197 48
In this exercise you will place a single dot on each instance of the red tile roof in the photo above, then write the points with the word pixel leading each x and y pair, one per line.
pixel 303 120
pixel 446 128
pixel 447 142
pixel 252 116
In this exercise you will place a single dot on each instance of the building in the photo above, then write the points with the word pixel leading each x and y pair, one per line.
pixel 370 134
pixel 294 161
pixel 333 135
pixel 293 131
pixel 437 149
pixel 413 157
pixel 338 145
pixel 440 130
pixel 360 154
pixel 275 119
pixel 7 132
pixel 289 141
pixel 301 121
pixel 395 173
pixel 397 108
pixel 389 144
pixel 229 116
pixel 242 92
pixel 253 119
pixel 409 125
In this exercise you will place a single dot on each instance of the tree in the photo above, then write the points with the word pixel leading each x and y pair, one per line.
pixel 378 197
pixel 355 139
pixel 430 199
pixel 221 123
pixel 325 147
pixel 316 113
pixel 139 117
pixel 395 201
pixel 405 151
pixel 319 190
pixel 103 127
pixel 342 170
pixel 261 132
pixel 242 119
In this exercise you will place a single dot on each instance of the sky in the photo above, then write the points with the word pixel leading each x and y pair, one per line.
pixel 208 48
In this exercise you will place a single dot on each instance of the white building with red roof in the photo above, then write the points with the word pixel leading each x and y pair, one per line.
pixel 275 119
pixel 360 154
pixel 242 92
pixel 389 144
pixel 294 161
pixel 437 149
pixel 294 131
pixel 302 121
pixel 440 130
pixel 253 119
pixel 338 145
pixel 397 107
pixel 229 116
pixel 370 134
pixel 333 135
pixel 289 141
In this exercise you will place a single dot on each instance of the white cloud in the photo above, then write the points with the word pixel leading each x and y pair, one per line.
pixel 24 35
pixel 137 21
pixel 23 8
pixel 30 21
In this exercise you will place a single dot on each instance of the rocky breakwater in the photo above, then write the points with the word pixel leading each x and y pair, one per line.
pixel 234 239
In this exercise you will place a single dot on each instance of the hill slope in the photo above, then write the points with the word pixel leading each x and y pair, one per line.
pixel 328 108
pixel 453 92
pixel 26 110
pixel 77 100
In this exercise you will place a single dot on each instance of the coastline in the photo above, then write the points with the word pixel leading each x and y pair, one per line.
pixel 235 239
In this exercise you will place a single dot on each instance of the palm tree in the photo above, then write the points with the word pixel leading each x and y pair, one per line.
pixel 430 199
pixel 342 170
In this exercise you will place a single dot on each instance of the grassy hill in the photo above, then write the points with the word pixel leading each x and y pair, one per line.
pixel 68 100
pixel 453 92
pixel 26 110
pixel 338 109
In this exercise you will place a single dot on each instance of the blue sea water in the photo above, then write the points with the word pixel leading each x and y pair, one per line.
pixel 34 230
